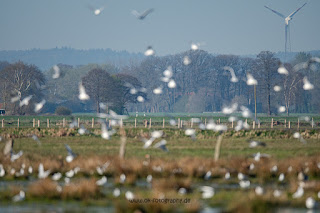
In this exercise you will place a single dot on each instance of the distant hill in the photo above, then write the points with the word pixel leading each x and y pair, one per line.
pixel 46 58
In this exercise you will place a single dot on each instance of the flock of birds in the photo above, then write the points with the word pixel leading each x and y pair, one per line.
pixel 107 131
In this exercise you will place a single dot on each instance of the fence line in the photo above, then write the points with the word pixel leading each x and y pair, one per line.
pixel 158 122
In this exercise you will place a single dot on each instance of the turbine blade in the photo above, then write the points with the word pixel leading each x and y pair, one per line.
pixel 276 12
pixel 292 14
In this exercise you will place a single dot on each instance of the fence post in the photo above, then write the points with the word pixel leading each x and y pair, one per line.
pixel 285 123
pixel 179 123
pixel 289 124
pixel 298 123
pixel 2 123
pixel 145 123
pixel 271 123
pixel 78 122
pixel 232 124
pixel 259 125
pixel 38 123
pixel 219 120
pixel 48 123
pixel 205 122
pixel 92 125
pixel 135 122
pixel 246 121
pixel 311 123
pixel 18 122
pixel 150 124
pixel 33 123
pixel 163 122
pixel 253 125
pixel 63 122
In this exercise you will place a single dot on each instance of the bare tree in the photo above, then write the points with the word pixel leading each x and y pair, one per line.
pixel 21 80
pixel 266 68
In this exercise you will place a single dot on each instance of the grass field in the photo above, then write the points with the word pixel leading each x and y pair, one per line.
pixel 177 174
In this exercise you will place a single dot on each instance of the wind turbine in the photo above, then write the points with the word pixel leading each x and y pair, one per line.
pixel 287 26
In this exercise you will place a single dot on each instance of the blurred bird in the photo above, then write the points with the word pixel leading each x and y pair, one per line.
pixel 157 90
pixel 191 133
pixel 172 84
pixel 149 51
pixel 259 190
pixel 168 72
pixel 129 195
pixel 101 169
pixel 277 193
pixel 282 70
pixel 142 15
pixel 39 106
pixel 102 181
pixel 56 73
pixel 70 155
pixel 186 60
pixel 253 144
pixel 15 156
pixel 140 99
pixel 149 178
pixel 234 78
pixel 96 11
pixel 25 101
pixel 83 96
pixel 227 176
pixel 116 192
pixel 207 192
pixel 244 184
pixel 41 173
pixel 306 84
pixel 162 145
pixel 311 203
pixel 2 171
pixel 277 88
pixel 56 176
pixel 251 80
pixel 35 138
pixel 258 156
pixel 299 193
pixel 8 147
pixel 281 109
pixel 281 177
pixel 207 175
pixel 122 178
pixel 19 197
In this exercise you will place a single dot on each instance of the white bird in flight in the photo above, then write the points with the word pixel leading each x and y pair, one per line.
pixel 306 84
pixel 39 106
pixel 83 96
pixel 234 78
pixel 25 101
pixel 149 51
pixel 251 80
pixel 56 73
pixel 96 11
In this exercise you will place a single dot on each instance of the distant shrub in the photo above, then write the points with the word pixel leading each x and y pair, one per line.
pixel 63 111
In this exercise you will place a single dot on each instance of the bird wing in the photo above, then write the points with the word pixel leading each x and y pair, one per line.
pixel 276 12
pixel 135 13
pixel 292 14
pixel 69 150
pixel 145 13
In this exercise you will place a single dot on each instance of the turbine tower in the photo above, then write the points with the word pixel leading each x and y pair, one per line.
pixel 287 26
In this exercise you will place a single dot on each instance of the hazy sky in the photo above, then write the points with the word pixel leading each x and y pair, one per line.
pixel 223 26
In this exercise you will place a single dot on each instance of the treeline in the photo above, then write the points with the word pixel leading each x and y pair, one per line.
pixel 204 84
